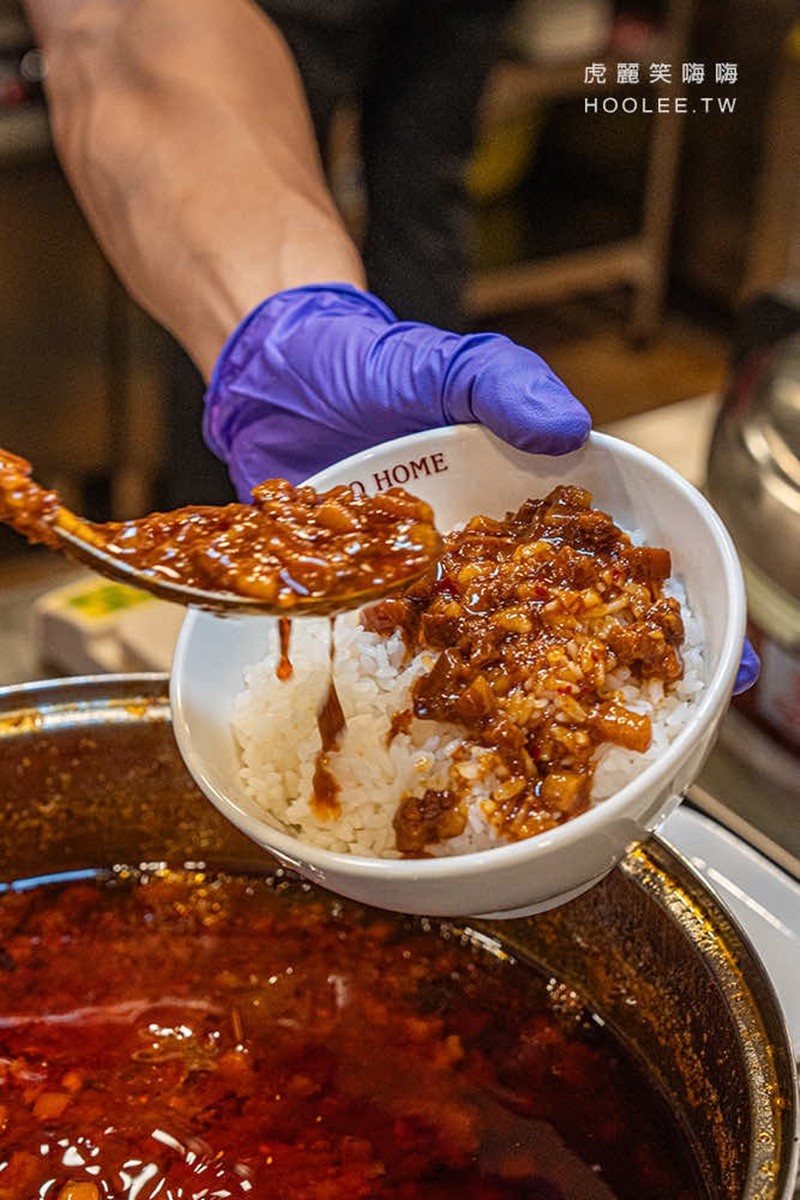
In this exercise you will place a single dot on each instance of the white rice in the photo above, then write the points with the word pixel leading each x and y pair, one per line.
pixel 276 729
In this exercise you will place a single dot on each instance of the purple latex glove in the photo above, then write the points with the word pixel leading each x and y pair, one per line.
pixel 748 671
pixel 317 373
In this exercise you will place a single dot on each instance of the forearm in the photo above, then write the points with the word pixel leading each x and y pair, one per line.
pixel 184 131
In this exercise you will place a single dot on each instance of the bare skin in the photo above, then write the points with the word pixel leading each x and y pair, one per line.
pixel 185 135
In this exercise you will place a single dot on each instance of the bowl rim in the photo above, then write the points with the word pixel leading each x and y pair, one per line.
pixel 496 858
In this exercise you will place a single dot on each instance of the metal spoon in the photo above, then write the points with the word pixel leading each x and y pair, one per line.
pixel 36 513
pixel 79 541
pixel 76 537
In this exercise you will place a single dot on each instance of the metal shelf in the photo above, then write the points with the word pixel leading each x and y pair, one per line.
pixel 639 261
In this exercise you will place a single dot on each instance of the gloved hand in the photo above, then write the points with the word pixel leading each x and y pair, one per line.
pixel 317 373
pixel 749 668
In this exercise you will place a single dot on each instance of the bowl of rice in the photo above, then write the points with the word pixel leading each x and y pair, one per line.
pixel 505 732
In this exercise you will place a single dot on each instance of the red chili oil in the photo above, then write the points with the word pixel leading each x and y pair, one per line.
pixel 177 1036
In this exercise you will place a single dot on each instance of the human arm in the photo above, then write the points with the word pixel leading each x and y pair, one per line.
pixel 184 133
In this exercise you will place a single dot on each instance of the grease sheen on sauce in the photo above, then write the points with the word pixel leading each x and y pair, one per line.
pixel 199 1038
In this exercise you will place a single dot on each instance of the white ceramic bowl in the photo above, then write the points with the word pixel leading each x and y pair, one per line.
pixel 461 471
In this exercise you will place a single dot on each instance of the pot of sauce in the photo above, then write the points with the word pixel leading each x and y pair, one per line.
pixel 646 967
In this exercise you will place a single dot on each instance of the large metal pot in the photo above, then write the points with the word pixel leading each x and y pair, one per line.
pixel 90 776
pixel 754 482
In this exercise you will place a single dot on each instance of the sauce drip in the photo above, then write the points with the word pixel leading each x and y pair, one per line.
pixel 284 667
pixel 331 725
pixel 190 1036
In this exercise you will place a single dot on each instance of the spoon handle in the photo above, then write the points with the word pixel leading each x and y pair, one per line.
pixel 70 523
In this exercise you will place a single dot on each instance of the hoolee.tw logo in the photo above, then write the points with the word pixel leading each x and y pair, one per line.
pixel 660 79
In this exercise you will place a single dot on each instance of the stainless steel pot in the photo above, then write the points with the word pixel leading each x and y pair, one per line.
pixel 90 776
pixel 754 462
pixel 754 482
